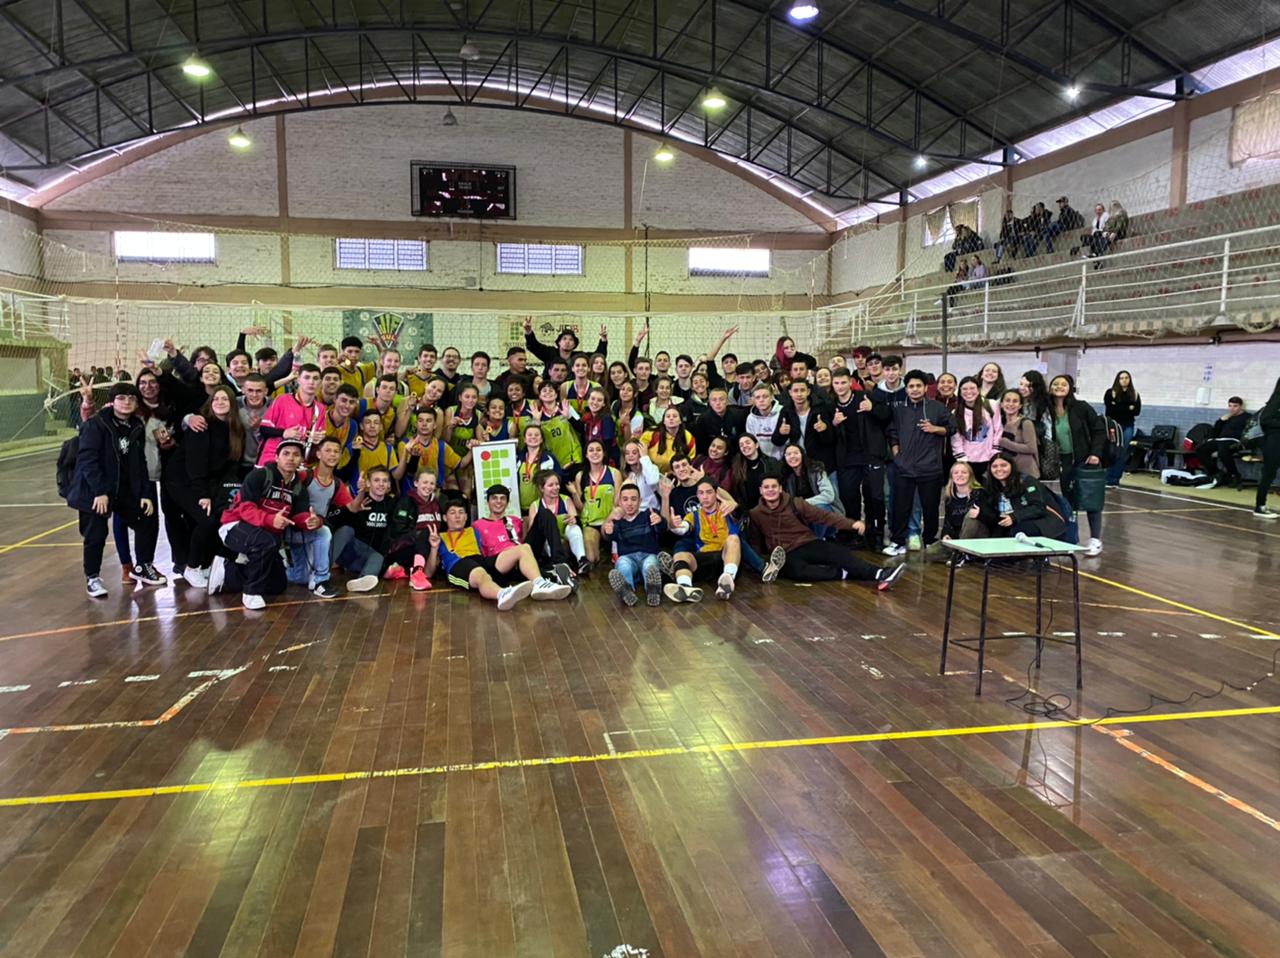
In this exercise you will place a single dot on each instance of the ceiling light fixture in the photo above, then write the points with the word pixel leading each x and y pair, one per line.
pixel 714 100
pixel 802 11
pixel 196 68
pixel 1073 92
pixel 239 140
pixel 664 154
pixel 449 118
pixel 469 51
pixel 921 161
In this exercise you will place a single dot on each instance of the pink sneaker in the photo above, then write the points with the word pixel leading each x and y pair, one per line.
pixel 395 571
pixel 418 580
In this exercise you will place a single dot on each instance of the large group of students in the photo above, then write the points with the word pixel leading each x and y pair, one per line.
pixel 659 475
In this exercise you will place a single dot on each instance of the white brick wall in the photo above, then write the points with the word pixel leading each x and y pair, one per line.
pixel 1136 174
pixel 1174 375
pixel 1209 169
pixel 81 256
pixel 19 245
pixel 202 175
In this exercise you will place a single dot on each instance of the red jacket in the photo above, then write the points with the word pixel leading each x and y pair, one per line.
pixel 265 493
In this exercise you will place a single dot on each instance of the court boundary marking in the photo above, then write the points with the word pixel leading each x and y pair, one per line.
pixel 721 748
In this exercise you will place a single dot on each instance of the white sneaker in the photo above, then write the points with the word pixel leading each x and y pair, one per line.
pixel 364 583
pixel 217 575
pixel 94 587
pixel 254 602
pixel 1211 484
pixel 1095 547
pixel 513 594
pixel 892 549
pixel 724 586
pixel 197 577
pixel 777 559
pixel 914 544
pixel 1265 513
pixel 544 590
pixel 677 592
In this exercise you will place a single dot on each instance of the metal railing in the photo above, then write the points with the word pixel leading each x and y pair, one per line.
pixel 25 315
pixel 1224 280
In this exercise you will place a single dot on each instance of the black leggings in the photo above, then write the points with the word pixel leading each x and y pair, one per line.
pixel 1270 465
pixel 543 537
pixel 820 561
pixel 203 539
pixel 404 551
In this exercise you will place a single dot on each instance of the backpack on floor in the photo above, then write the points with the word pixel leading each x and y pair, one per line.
pixel 1114 450
pixel 1071 533
pixel 66 468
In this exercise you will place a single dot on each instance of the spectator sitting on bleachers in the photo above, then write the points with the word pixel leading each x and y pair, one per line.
pixel 1225 445
pixel 1010 236
pixel 966 241
pixel 1031 226
pixel 977 273
pixel 1068 220
pixel 1104 231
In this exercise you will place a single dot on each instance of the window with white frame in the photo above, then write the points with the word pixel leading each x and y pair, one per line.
pixel 352 252
pixel 721 261
pixel 540 259
pixel 140 246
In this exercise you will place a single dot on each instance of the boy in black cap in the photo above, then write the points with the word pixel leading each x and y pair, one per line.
pixel 111 476
pixel 271 499
pixel 566 344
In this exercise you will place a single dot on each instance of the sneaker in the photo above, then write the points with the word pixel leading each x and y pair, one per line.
pixel 197 577
pixel 323 590
pixel 563 574
pixel 585 566
pixel 682 593
pixel 893 549
pixel 217 575
pixel 126 575
pixel 886 577
pixel 1265 513
pixel 667 564
pixel 913 543
pixel 254 602
pixel 724 586
pixel 94 587
pixel 777 559
pixel 1211 484
pixel 544 590
pixel 653 584
pixel 620 588
pixel 1095 548
pixel 179 574
pixel 395 572
pixel 363 583
pixel 513 594
pixel 418 580
pixel 147 574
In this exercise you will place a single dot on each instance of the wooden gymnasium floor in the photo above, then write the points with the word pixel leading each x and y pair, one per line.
pixel 418 775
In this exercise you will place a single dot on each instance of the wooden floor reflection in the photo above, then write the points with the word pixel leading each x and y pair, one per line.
pixel 668 833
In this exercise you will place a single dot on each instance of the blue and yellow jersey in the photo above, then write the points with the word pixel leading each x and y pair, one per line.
pixel 345 434
pixel 578 400
pixel 367 408
pixel 458 545
pixel 386 454
pixel 708 533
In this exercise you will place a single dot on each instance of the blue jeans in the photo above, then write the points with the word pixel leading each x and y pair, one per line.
pixel 355 555
pixel 750 558
pixel 309 555
pixel 1116 469
pixel 635 566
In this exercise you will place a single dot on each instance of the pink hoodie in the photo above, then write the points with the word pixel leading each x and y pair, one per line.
pixel 986 445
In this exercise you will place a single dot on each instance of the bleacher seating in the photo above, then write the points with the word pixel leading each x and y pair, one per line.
pixel 1166 277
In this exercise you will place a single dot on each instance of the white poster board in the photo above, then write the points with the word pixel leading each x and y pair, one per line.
pixel 495 463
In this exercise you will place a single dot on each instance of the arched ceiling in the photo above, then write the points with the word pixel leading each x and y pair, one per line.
pixel 839 107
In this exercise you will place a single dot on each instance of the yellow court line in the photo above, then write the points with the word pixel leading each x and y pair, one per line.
pixel 39 535
pixel 1264 633
pixel 716 749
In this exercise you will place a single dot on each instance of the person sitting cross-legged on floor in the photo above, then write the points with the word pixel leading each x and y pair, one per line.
pixel 782 522
pixel 272 499
pixel 505 578
pixel 633 533
pixel 363 541
pixel 709 548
